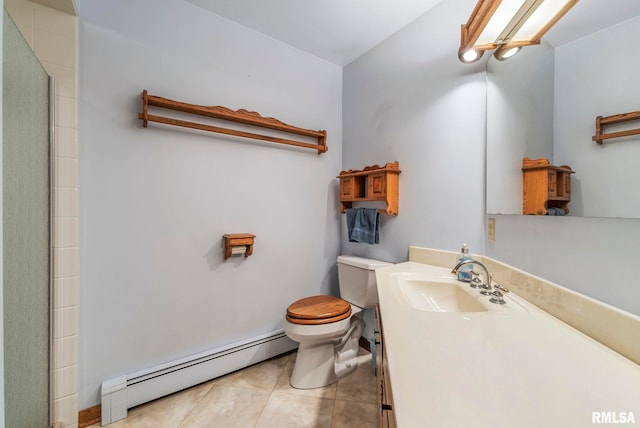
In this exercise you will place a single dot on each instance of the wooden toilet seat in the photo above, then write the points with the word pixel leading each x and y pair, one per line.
pixel 318 310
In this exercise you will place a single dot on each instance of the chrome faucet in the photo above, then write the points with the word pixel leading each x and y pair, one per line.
pixel 485 286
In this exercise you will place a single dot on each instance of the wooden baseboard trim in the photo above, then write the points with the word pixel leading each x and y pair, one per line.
pixel 364 343
pixel 89 416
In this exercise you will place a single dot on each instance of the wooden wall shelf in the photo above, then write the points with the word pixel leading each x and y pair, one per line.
pixel 601 122
pixel 373 183
pixel 241 116
pixel 545 186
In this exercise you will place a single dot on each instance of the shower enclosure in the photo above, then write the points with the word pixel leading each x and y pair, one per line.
pixel 26 233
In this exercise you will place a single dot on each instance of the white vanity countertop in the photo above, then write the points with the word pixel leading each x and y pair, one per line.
pixel 508 367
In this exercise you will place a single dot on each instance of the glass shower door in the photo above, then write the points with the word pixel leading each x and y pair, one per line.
pixel 26 233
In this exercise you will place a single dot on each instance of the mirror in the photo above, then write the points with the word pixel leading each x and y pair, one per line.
pixel 543 102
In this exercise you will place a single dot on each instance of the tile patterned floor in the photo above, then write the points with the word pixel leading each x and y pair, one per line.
pixel 260 396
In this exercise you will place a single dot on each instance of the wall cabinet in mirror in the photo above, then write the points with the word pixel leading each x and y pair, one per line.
pixel 545 187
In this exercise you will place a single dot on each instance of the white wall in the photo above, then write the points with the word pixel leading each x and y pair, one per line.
pixel 598 76
pixel 410 99
pixel 155 202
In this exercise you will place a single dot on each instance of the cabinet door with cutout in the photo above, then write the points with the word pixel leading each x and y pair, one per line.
pixel 377 186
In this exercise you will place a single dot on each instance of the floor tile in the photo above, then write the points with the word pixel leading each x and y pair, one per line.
pixel 349 414
pixel 296 411
pixel 359 386
pixel 228 407
pixel 260 396
pixel 259 376
pixel 283 385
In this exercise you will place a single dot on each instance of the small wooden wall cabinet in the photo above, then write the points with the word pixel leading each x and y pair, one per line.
pixel 373 183
pixel 545 186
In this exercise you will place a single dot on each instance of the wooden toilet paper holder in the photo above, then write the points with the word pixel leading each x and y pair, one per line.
pixel 242 242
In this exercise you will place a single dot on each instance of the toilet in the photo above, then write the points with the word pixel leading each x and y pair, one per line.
pixel 328 329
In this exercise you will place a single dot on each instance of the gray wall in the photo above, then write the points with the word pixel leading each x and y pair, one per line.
pixel 156 201
pixel 409 99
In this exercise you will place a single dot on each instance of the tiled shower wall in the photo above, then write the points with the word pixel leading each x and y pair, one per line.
pixel 53 36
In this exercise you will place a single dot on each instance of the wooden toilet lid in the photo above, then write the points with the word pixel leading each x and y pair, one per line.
pixel 318 310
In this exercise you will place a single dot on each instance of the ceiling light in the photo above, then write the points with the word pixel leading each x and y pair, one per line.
pixel 503 53
pixel 505 24
pixel 470 55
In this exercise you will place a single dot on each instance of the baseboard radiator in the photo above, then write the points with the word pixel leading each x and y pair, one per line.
pixel 124 392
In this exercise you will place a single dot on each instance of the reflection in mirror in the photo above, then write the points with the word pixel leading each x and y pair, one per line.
pixel 543 103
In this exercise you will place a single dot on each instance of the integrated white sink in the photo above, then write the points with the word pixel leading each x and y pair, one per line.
pixel 435 295
pixel 442 292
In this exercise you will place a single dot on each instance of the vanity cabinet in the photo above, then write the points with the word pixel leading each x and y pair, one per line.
pixel 373 183
pixel 545 186
pixel 386 417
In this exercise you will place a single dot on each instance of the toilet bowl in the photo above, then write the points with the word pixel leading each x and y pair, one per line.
pixel 328 328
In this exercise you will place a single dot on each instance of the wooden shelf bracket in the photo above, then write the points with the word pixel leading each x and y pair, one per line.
pixel 241 116
pixel 601 122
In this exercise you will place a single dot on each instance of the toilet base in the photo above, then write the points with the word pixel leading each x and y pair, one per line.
pixel 320 364
pixel 314 366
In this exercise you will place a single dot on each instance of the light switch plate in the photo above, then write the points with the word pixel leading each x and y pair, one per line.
pixel 491 229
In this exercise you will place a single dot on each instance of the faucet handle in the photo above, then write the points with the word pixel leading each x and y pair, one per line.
pixel 500 287
pixel 497 297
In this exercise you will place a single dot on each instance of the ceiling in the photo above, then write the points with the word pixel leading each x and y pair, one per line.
pixel 342 30
pixel 336 30
pixel 588 16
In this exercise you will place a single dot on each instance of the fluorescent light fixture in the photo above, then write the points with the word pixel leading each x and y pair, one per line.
pixel 506 24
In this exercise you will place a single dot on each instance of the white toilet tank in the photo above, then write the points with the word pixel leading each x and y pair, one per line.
pixel 357 280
